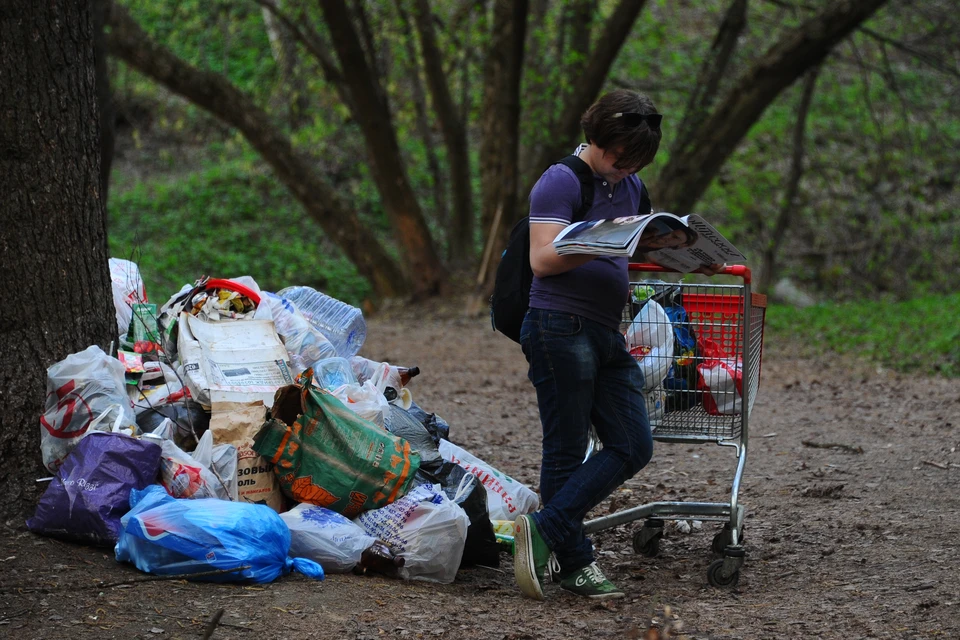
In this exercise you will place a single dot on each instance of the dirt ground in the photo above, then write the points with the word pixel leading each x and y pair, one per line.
pixel 857 540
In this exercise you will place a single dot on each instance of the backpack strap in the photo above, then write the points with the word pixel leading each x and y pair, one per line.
pixel 585 175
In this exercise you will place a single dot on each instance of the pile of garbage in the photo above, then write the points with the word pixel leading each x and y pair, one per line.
pixel 235 434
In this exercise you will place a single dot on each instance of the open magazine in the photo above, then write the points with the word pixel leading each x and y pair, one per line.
pixel 682 244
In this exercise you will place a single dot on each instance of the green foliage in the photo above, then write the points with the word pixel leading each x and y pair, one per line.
pixel 224 220
pixel 919 335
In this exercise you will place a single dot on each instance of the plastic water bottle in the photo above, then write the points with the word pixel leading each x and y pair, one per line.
pixel 342 324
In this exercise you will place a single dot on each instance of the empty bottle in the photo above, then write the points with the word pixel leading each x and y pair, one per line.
pixel 342 324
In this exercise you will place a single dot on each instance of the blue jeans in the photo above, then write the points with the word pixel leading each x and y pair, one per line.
pixel 583 374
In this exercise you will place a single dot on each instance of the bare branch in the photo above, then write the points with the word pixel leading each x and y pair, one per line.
pixel 690 170
pixel 714 67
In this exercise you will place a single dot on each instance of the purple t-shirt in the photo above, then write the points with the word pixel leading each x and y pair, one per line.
pixel 597 290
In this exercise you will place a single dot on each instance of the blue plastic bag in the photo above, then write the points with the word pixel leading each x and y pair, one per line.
pixel 166 536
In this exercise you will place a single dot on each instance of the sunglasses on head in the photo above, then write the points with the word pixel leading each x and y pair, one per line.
pixel 634 119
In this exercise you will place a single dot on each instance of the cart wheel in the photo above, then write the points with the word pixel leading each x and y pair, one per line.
pixel 716 579
pixel 723 538
pixel 646 541
pixel 646 544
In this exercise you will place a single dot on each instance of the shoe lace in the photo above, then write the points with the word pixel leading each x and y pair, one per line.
pixel 594 573
pixel 553 565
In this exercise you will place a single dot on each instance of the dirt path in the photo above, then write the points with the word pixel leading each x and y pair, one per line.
pixel 855 541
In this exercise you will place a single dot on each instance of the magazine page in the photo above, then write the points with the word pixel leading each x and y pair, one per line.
pixel 709 247
pixel 616 236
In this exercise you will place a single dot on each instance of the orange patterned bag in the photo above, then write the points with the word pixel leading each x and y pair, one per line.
pixel 325 454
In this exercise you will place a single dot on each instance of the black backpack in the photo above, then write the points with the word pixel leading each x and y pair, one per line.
pixel 511 288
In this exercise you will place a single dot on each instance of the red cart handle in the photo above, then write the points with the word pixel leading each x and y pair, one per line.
pixel 738 270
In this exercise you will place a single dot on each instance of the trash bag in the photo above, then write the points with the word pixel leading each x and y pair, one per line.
pixel 327 455
pixel 426 529
pixel 465 489
pixel 650 341
pixel 506 497
pixel 326 537
pixel 166 536
pixel 437 426
pixel 128 289
pixel 185 477
pixel 91 492
pixel 402 423
pixel 363 399
pixel 189 417
pixel 85 392
pixel 221 460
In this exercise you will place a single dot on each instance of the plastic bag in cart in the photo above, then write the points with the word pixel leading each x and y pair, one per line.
pixel 650 340
pixel 91 492
pixel 166 536
pixel 326 537
pixel 721 380
pixel 85 392
pixel 426 529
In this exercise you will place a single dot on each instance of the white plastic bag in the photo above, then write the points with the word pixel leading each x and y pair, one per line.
pixel 85 392
pixel 650 336
pixel 221 460
pixel 364 400
pixel 184 477
pixel 127 289
pixel 326 537
pixel 426 529
pixel 506 497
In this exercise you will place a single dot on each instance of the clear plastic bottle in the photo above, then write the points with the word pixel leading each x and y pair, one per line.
pixel 304 342
pixel 342 324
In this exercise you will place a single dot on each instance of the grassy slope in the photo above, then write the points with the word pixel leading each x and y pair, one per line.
pixel 920 335
pixel 224 220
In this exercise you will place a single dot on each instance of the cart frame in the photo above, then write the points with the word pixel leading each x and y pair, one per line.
pixel 741 326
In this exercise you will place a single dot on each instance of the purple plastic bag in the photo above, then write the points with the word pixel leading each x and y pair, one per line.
pixel 91 492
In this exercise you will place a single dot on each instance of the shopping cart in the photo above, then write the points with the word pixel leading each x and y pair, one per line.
pixel 700 399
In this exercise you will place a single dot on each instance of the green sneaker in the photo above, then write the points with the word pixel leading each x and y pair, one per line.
pixel 590 582
pixel 530 557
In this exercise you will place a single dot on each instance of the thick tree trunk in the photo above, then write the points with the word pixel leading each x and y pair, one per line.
pixel 690 170
pixel 454 138
pixel 53 246
pixel 214 93
pixel 424 270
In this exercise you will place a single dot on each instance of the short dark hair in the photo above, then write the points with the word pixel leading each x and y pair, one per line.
pixel 600 127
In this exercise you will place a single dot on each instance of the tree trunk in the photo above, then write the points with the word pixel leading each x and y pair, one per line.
pixel 214 93
pixel 56 285
pixel 500 124
pixel 419 97
pixel 690 170
pixel 424 270
pixel 454 138
pixel 768 268
pixel 610 41
pixel 284 50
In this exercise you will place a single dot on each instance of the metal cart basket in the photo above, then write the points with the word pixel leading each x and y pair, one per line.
pixel 704 342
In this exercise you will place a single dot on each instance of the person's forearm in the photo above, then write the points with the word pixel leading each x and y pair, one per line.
pixel 546 262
